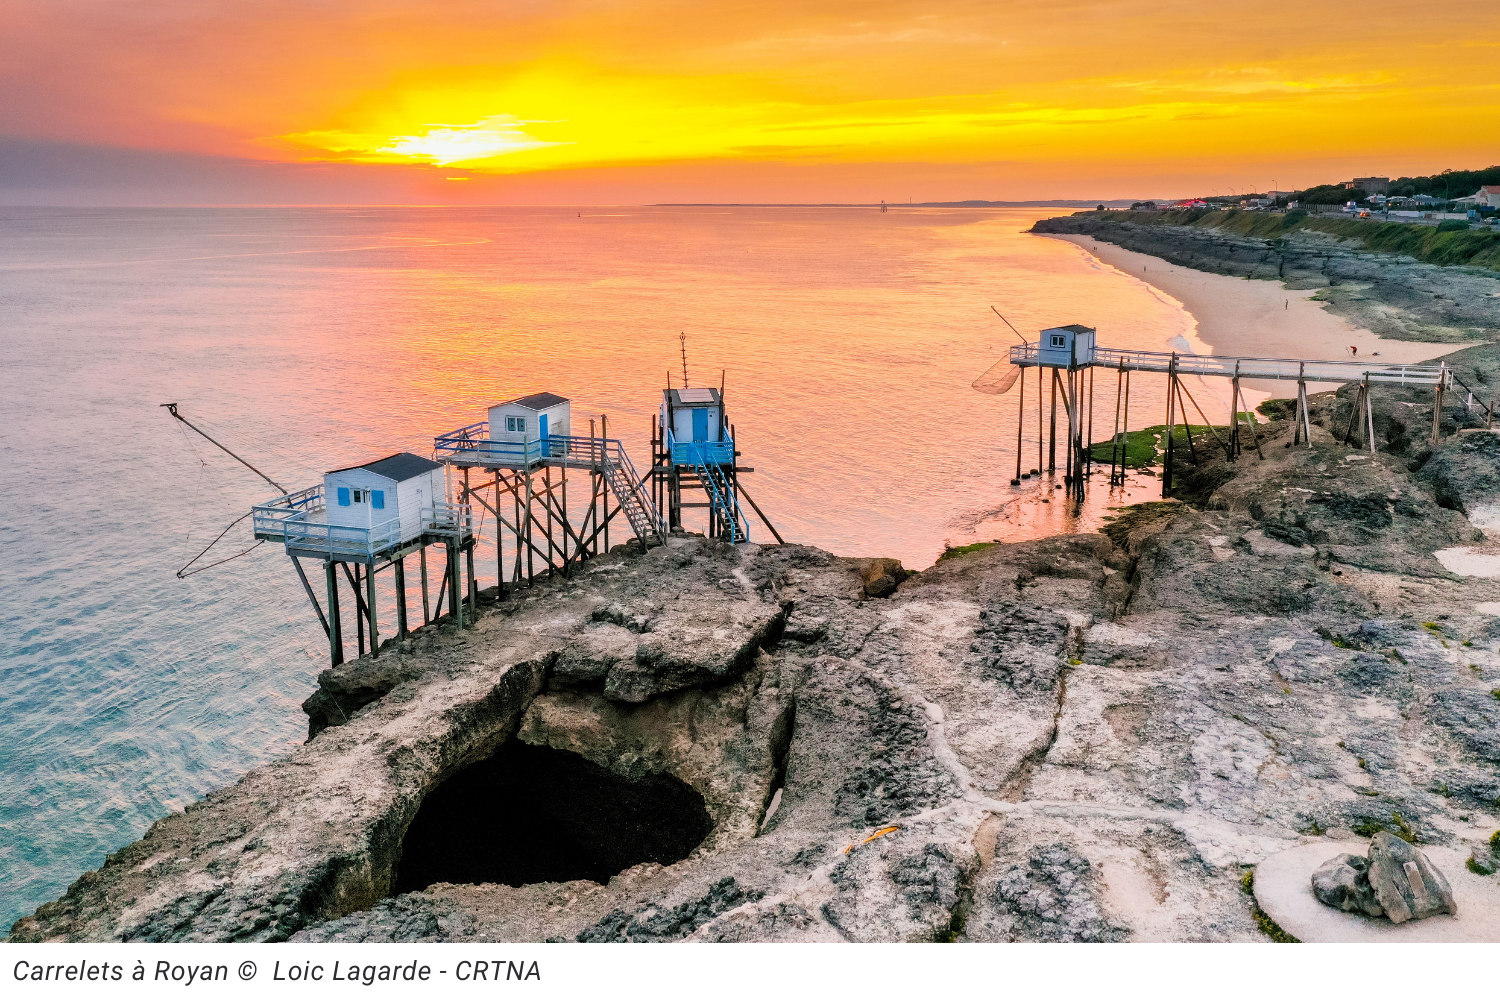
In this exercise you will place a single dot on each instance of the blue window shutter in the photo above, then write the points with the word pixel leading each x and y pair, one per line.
pixel 343 496
pixel 377 499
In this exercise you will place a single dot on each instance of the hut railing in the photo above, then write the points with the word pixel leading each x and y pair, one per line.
pixel 1289 369
pixel 700 452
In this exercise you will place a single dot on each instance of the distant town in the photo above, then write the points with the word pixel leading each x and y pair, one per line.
pixel 1464 196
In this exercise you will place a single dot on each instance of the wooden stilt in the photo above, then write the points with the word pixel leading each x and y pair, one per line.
pixel 301 575
pixel 1052 428
pixel 1040 436
pixel 455 598
pixel 1437 403
pixel 1187 425
pixel 1089 457
pixel 426 610
pixel 473 583
pixel 1020 428
pixel 1166 473
pixel 1114 438
pixel 370 604
pixel 1069 394
pixel 335 630
pixel 401 598
pixel 359 608
pixel 1369 419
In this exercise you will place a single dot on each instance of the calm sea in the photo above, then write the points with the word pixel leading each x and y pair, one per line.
pixel 310 339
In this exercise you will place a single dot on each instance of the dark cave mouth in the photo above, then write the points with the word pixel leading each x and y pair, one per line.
pixel 532 814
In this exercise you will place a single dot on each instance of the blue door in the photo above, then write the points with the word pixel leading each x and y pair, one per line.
pixel 700 425
pixel 544 426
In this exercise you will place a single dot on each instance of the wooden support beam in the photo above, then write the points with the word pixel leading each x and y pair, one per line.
pixel 310 595
pixel 1052 428
pixel 764 520
pixel 335 632
pixel 370 603
pixel 426 610
pixel 1020 429
pixel 401 598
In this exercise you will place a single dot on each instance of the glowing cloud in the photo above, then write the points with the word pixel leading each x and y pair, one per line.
pixel 444 145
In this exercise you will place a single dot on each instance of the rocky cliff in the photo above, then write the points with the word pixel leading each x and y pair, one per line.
pixel 1080 738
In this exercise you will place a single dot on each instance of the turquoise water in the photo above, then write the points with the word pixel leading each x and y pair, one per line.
pixel 314 339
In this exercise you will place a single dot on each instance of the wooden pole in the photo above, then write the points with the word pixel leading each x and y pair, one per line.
pixel 1089 444
pixel 302 575
pixel 1020 428
pixel 1166 473
pixel 1040 436
pixel 1052 428
pixel 450 574
pixel 1114 438
pixel 370 601
pixel 1370 418
pixel 360 611
pixel 604 435
pixel 1306 417
pixel 473 583
pixel 335 630
pixel 1437 403
pixel 426 608
pixel 1234 415
pixel 1069 391
pixel 401 597
pixel 500 546
pixel 1187 425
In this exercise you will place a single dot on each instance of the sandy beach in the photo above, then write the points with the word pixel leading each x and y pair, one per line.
pixel 1244 318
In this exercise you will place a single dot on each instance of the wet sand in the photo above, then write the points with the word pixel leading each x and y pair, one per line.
pixel 1244 318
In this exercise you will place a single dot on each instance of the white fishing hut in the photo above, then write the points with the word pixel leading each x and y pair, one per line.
pixel 531 418
pixel 394 496
pixel 1066 346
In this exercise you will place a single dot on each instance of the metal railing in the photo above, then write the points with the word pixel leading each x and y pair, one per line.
pixel 472 445
pixel 700 452
pixel 1290 369
pixel 298 520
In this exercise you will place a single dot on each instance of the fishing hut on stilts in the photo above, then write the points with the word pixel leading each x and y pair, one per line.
pixel 1072 356
pixel 362 521
pixel 515 467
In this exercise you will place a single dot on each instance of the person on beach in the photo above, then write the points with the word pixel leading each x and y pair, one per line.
pixel 1353 351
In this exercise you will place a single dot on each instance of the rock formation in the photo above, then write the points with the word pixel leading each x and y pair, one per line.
pixel 1343 882
pixel 1088 737
pixel 1405 882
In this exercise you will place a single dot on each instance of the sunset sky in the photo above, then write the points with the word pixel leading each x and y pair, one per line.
pixel 599 101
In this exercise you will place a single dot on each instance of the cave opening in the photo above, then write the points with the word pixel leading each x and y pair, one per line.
pixel 536 814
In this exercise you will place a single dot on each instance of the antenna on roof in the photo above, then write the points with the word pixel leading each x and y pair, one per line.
pixel 683 338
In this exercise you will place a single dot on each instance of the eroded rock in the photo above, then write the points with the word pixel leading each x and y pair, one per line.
pixel 1343 882
pixel 1406 884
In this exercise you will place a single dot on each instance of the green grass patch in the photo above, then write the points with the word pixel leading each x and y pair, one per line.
pixel 1144 448
pixel 963 550
pixel 1268 926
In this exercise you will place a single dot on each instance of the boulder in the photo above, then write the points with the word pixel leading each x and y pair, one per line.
pixel 881 577
pixel 1406 884
pixel 1343 882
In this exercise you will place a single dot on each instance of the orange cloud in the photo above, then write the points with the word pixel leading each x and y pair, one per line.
pixel 1124 91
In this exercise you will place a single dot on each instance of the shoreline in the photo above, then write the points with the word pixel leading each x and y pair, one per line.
pixel 1239 317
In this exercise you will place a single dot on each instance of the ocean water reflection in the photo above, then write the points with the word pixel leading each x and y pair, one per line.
pixel 313 339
